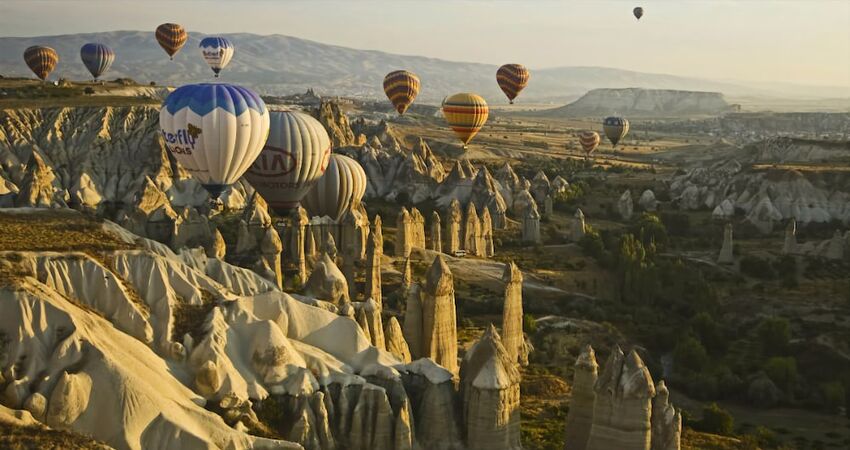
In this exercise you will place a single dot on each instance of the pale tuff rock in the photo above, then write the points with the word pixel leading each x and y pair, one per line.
pixel 84 194
pixel 327 282
pixel 647 201
pixel 363 321
pixel 336 122
pixel 764 215
pixel 789 247
pixel 454 220
pixel 487 195
pixel 578 228
pixel 547 206
pixel 378 232
pixel 835 247
pixel 540 186
pixel 490 382
pixel 329 247
pixel 472 232
pixel 689 199
pixel 489 248
pixel 418 228
pixel 625 206
pixel 560 185
pixel 372 287
pixel 372 421
pixel 621 412
pixel 435 420
pixel 724 211
pixel 531 225
pixel 512 335
pixel 270 249
pixel 439 323
pixel 245 240
pixel 38 186
pixel 299 220
pixel 216 247
pixel 404 233
pixel 354 230
pixel 395 341
pixel 406 274
pixel 349 270
pixel 666 421
pixel 523 201
pixel 580 416
pixel 8 192
pixel 435 241
pixel 256 213
pixel 413 320
pixel 726 251
pixel 310 247
pixel 376 325
pixel 508 183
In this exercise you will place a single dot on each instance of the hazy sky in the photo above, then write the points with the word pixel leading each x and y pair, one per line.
pixel 803 41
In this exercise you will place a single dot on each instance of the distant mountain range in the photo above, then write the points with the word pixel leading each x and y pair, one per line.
pixel 280 65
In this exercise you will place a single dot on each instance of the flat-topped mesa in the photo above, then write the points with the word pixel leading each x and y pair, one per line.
pixel 623 406
pixel 579 227
pixel 471 231
pixel 372 287
pixel 666 421
pixel 512 335
pixel 454 221
pixel 531 225
pixel 435 241
pixel 580 415
pixel 396 344
pixel 789 247
pixel 490 381
pixel 403 233
pixel 439 322
pixel 489 248
pixel 726 255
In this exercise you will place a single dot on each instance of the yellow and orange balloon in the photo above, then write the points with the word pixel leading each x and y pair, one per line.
pixel 512 79
pixel 589 140
pixel 465 113
pixel 171 38
pixel 41 60
pixel 401 88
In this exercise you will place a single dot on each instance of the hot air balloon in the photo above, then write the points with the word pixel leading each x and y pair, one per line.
pixel 589 140
pixel 97 58
pixel 338 190
pixel 615 129
pixel 41 60
pixel 215 131
pixel 466 114
pixel 171 38
pixel 512 78
pixel 217 52
pixel 294 158
pixel 401 88
pixel 638 12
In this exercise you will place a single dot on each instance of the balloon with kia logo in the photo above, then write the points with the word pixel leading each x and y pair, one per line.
pixel 293 159
pixel 215 131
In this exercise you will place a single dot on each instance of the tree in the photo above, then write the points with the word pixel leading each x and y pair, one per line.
pixel 651 230
pixel 716 420
pixel 689 354
pixel 782 371
pixel 774 334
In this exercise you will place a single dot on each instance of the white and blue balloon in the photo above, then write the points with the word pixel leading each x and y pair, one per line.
pixel 217 52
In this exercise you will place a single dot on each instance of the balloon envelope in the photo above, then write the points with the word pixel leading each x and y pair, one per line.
pixel 171 38
pixel 465 113
pixel 293 159
pixel 338 190
pixel 215 131
pixel 217 52
pixel 97 58
pixel 512 79
pixel 615 128
pixel 401 88
pixel 589 140
pixel 41 60
pixel 638 12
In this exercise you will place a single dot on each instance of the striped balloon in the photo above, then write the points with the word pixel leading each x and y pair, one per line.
pixel 215 131
pixel 171 38
pixel 401 88
pixel 466 114
pixel 638 12
pixel 338 190
pixel 217 52
pixel 589 140
pixel 512 78
pixel 41 60
pixel 294 158
pixel 97 58
pixel 615 129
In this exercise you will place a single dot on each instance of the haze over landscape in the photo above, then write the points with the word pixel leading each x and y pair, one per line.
pixel 425 224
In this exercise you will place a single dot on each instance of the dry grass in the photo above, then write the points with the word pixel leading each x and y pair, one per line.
pixel 41 438
pixel 55 231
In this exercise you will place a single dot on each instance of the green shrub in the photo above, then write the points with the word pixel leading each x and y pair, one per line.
pixel 774 334
pixel 782 371
pixel 689 354
pixel 529 324
pixel 716 420
pixel 833 394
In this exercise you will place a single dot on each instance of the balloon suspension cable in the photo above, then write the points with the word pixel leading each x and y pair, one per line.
pixel 512 102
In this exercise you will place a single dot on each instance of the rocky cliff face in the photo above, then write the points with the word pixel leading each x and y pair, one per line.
pixel 636 102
